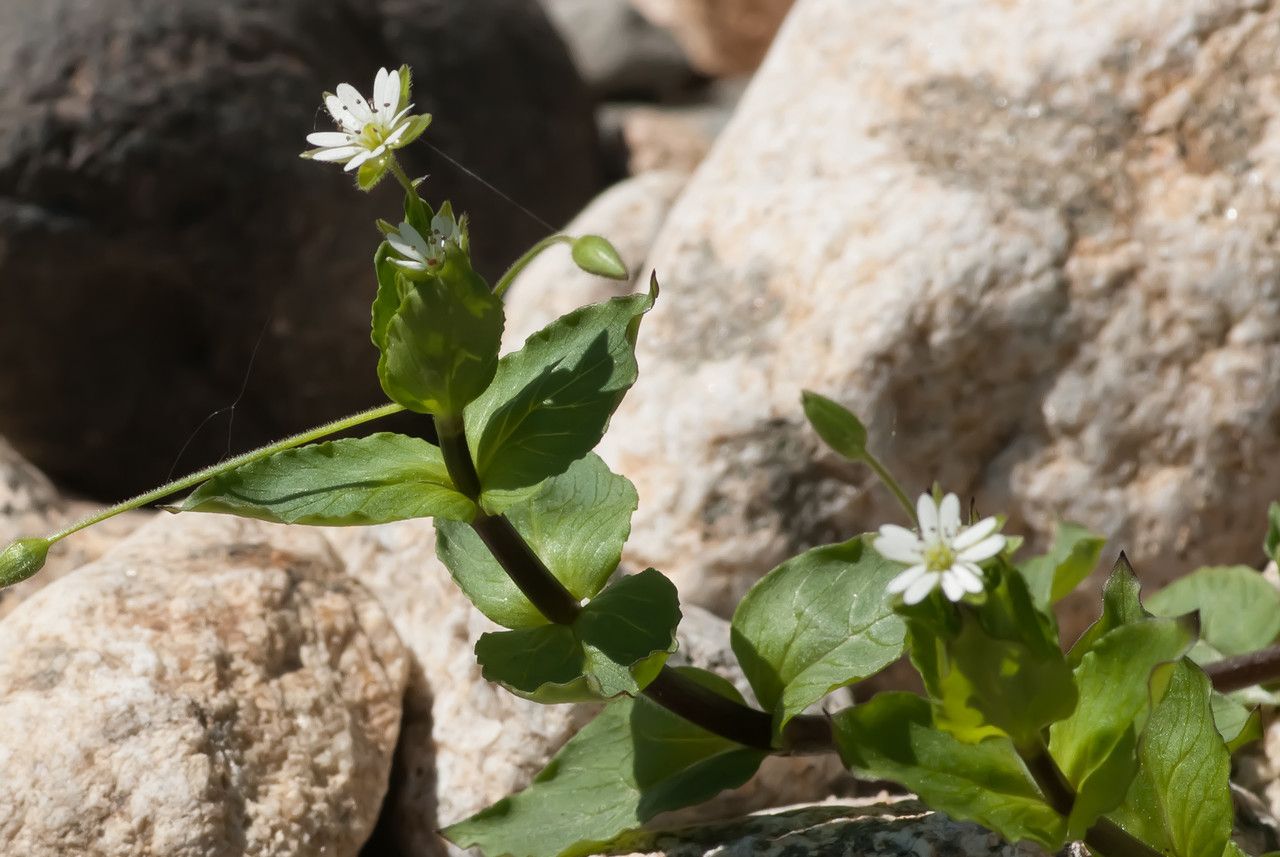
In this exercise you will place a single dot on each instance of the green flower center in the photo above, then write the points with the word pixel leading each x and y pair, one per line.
pixel 939 557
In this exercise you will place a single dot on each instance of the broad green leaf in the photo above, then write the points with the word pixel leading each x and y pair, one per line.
pixel 350 482
pixel 634 761
pixel 817 622
pixel 998 670
pixel 577 524
pixel 616 646
pixel 550 402
pixel 1238 724
pixel 441 347
pixel 1052 577
pixel 1094 747
pixel 836 425
pixel 893 737
pixel 1239 609
pixel 1121 605
pixel 1180 800
pixel 1271 544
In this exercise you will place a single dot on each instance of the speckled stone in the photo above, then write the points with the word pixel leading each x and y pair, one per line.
pixel 212 687
pixel 720 36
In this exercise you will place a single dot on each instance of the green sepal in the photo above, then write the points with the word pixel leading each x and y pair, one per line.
pixel 350 482
pixel 550 402
pixel 577 523
pixel 417 125
pixel 1052 577
pixel 634 761
pixel 371 172
pixel 595 255
pixel 22 559
pixel 893 737
pixel 994 669
pixel 816 623
pixel 836 425
pixel 442 342
pixel 616 646
pixel 390 294
pixel 1094 747
pixel 1180 800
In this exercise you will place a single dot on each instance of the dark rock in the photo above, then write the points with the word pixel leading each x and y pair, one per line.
pixel 159 235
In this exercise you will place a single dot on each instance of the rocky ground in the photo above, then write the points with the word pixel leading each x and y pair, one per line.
pixel 1034 245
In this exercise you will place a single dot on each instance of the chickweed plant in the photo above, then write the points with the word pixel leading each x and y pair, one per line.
pixel 1122 740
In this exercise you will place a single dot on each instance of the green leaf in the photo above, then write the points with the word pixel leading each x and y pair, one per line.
pixel 1238 724
pixel 595 255
pixel 1094 747
pixel 1073 556
pixel 817 622
pixel 1239 609
pixel 577 524
pixel 836 425
pixel 1271 544
pixel 617 645
pixel 634 761
pixel 1181 799
pixel 996 669
pixel 550 402
pixel 1121 605
pixel 354 481
pixel 441 347
pixel 22 559
pixel 390 294
pixel 892 737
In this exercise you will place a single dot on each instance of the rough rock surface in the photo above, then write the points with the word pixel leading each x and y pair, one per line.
pixel 883 826
pixel 465 743
pixel 30 505
pixel 720 36
pixel 163 246
pixel 211 688
pixel 1034 246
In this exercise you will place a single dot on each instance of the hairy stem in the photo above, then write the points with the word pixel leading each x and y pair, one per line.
pixel 717 714
pixel 207 473
pixel 520 264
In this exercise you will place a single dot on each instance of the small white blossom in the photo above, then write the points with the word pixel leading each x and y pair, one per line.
pixel 418 252
pixel 368 130
pixel 943 552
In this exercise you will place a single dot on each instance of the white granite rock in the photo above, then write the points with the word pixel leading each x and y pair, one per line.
pixel 1033 245
pixel 210 688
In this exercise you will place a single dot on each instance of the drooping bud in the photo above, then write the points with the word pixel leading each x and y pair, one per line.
pixel 836 425
pixel 22 559
pixel 595 255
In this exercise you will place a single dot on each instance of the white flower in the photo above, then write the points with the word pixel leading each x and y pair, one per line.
pixel 943 552
pixel 416 253
pixel 367 130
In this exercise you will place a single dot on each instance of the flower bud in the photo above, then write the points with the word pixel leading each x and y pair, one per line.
pixel 596 256
pixel 22 559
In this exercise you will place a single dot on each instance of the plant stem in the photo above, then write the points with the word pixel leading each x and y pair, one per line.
pixel 1246 670
pixel 230 464
pixel 1105 837
pixel 892 484
pixel 717 714
pixel 520 264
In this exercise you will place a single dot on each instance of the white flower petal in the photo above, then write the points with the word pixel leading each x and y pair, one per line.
pixel 985 549
pixel 355 104
pixel 949 516
pixel 927 512
pixel 359 159
pixel 970 576
pixel 408 264
pixel 922 587
pixel 403 113
pixel 343 117
pixel 972 535
pixel 908 577
pixel 396 134
pixel 951 587
pixel 898 544
pixel 386 92
pixel 338 154
pixel 330 138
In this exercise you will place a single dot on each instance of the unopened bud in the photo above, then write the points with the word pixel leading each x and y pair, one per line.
pixel 596 256
pixel 22 559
